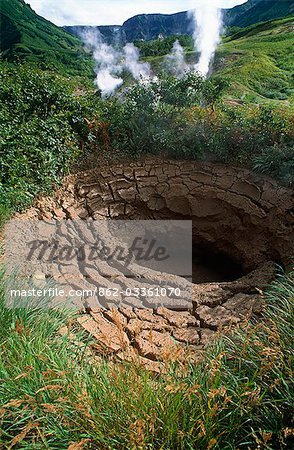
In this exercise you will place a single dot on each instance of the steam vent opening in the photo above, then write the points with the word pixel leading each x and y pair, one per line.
pixel 241 221
pixel 210 266
pixel 243 224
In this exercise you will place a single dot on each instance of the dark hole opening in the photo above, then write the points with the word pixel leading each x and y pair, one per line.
pixel 210 265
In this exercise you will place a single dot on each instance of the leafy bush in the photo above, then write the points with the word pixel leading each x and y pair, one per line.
pixel 277 161
pixel 186 119
pixel 47 125
pixel 239 133
pixel 151 118
pixel 42 128
pixel 161 47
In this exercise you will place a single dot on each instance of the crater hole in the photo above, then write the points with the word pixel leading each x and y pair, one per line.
pixel 211 265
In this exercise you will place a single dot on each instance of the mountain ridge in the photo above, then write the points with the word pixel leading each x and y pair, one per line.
pixel 150 26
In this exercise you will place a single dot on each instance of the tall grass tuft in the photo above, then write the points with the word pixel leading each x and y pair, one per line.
pixel 239 395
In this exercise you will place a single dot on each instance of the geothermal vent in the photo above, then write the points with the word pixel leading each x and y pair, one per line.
pixel 242 228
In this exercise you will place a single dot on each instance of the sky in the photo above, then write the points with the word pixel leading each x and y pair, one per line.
pixel 111 12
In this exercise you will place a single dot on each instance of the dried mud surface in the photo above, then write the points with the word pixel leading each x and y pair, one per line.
pixel 247 217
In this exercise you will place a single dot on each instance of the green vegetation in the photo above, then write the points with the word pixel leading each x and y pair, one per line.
pixel 260 11
pixel 5 214
pixel 52 392
pixel 161 47
pixel 238 395
pixel 25 36
pixel 259 62
pixel 47 126
pixel 187 119
pixel 43 129
pixel 229 31
pixel 152 118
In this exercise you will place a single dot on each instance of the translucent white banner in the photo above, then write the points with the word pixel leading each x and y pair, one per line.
pixel 92 264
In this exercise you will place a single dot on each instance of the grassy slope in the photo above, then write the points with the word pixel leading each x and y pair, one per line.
pixel 264 10
pixel 27 36
pixel 259 61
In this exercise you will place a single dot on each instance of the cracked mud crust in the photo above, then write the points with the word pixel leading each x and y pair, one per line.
pixel 247 217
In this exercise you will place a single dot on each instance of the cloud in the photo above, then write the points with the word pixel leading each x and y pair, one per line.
pixel 109 12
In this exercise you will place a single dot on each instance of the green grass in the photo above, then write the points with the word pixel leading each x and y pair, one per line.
pixel 25 36
pixel 259 61
pixel 5 214
pixel 239 395
pixel 47 128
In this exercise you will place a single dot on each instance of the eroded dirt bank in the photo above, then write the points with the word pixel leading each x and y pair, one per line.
pixel 236 215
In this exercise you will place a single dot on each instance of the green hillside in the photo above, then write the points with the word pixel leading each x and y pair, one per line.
pixel 263 10
pixel 260 60
pixel 26 36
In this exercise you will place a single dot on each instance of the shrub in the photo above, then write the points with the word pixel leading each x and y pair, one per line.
pixel 161 47
pixel 186 119
pixel 151 118
pixel 278 162
pixel 43 130
pixel 47 127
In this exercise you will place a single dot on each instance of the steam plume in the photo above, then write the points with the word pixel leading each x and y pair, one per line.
pixel 110 62
pixel 208 25
pixel 175 61
pixel 132 63
pixel 107 59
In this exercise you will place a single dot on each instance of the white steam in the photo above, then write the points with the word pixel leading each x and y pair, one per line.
pixel 110 63
pixel 107 82
pixel 132 62
pixel 207 35
pixel 175 61
pixel 207 31
pixel 108 67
